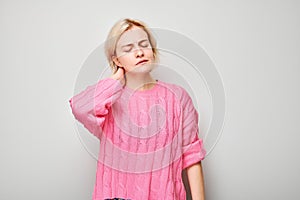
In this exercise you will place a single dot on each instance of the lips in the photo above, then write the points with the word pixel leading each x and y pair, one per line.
pixel 142 61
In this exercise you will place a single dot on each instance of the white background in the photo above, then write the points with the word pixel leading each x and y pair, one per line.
pixel 254 44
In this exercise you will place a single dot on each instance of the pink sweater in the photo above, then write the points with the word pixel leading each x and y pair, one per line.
pixel 146 139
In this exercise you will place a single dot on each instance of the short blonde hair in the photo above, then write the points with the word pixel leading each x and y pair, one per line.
pixel 115 33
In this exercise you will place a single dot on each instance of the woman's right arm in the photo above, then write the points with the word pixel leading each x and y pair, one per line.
pixel 91 106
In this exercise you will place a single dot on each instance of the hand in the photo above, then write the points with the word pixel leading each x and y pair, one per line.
pixel 119 75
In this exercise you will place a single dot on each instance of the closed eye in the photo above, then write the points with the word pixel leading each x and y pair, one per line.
pixel 144 43
pixel 127 48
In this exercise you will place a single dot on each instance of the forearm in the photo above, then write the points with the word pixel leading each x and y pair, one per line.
pixel 196 181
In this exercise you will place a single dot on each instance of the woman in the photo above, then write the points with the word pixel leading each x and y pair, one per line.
pixel 148 129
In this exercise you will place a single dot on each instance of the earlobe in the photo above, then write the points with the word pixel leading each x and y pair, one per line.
pixel 116 61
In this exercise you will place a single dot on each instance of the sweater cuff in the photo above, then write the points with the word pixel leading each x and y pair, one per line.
pixel 193 153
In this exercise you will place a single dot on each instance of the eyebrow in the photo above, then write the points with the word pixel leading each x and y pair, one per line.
pixel 130 44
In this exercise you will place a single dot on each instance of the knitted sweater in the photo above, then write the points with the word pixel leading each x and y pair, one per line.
pixel 146 138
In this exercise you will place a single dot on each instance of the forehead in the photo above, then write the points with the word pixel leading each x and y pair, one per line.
pixel 132 35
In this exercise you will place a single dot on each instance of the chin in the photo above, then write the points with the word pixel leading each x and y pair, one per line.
pixel 143 68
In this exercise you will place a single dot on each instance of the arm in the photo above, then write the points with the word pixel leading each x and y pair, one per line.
pixel 193 149
pixel 91 106
pixel 196 181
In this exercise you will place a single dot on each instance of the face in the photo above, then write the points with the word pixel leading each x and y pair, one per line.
pixel 134 51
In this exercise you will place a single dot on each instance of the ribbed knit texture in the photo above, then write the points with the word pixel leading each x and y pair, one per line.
pixel 146 138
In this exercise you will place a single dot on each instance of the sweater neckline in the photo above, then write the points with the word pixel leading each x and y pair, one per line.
pixel 148 91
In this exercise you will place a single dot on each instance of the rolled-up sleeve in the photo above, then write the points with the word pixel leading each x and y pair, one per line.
pixel 192 144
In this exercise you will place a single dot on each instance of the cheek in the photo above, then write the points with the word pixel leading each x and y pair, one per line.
pixel 149 53
pixel 126 59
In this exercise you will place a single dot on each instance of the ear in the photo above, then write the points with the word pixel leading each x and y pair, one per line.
pixel 116 61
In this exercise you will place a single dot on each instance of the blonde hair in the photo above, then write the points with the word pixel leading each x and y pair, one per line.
pixel 115 33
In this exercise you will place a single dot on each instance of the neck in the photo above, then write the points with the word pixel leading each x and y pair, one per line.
pixel 139 81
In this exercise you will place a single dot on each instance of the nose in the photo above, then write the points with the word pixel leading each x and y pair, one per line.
pixel 139 53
